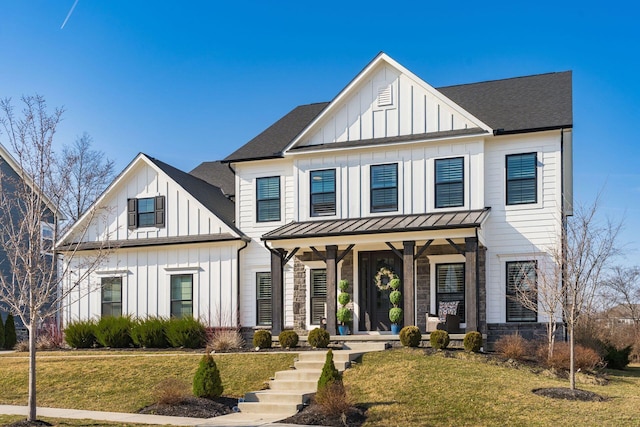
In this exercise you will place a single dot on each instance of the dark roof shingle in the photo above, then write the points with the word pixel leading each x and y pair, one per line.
pixel 218 174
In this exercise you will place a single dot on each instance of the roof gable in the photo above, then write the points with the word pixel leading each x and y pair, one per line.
pixel 385 100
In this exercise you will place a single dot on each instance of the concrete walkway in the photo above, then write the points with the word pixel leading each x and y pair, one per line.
pixel 232 420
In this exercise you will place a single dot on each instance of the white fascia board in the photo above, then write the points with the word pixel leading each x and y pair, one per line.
pixel 383 57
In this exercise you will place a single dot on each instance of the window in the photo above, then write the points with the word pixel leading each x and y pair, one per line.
pixel 268 198
pixel 449 182
pixel 450 286
pixel 323 192
pixel 263 297
pixel 521 280
pixel 318 295
pixel 181 295
pixel 146 212
pixel 111 296
pixel 47 233
pixel 384 188
pixel 522 182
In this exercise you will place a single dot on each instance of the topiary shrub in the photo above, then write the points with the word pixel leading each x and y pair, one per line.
pixel 1 332
pixel 114 332
pixel 472 341
pixel 343 285
pixel 344 298
pixel 206 381
pixel 395 297
pixel 288 339
pixel 410 336
pixel 319 338
pixel 395 315
pixel 10 337
pixel 439 339
pixel 329 373
pixel 81 334
pixel 186 332
pixel 262 339
pixel 394 284
pixel 150 332
pixel 343 315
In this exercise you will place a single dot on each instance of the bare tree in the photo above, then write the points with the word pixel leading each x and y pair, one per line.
pixel 88 173
pixel 622 291
pixel 31 193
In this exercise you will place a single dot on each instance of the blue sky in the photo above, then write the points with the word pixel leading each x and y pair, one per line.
pixel 191 81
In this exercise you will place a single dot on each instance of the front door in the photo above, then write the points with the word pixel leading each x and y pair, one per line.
pixel 374 303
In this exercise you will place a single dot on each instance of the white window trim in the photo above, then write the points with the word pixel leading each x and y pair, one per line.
pixel 195 286
pixel 365 178
pixel 431 183
pixel 254 202
pixel 539 181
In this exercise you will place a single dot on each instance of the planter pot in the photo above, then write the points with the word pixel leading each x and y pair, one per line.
pixel 395 328
pixel 343 329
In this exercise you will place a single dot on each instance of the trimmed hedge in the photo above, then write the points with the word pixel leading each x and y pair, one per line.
pixel 319 338
pixel 150 332
pixel 186 332
pixel 288 339
pixel 439 339
pixel 114 332
pixel 262 339
pixel 472 341
pixel 410 336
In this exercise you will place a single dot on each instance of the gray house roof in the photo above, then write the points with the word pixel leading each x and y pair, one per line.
pixel 209 195
pixel 218 174
pixel 515 105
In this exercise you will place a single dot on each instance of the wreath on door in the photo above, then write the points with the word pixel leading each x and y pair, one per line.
pixel 384 277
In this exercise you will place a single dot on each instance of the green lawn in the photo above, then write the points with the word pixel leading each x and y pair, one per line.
pixel 401 387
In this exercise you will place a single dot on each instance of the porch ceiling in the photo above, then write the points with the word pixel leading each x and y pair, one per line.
pixel 379 225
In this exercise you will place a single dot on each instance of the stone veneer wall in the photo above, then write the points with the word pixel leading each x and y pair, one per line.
pixel 423 293
pixel 531 331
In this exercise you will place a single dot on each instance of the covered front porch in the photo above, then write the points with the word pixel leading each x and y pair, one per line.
pixel 428 252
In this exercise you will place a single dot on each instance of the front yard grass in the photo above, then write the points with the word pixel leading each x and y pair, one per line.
pixel 404 387
pixel 124 382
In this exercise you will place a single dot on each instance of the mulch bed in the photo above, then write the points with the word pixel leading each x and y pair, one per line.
pixel 195 407
pixel 313 416
pixel 568 394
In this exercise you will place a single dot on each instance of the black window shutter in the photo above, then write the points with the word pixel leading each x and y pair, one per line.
pixel 132 213
pixel 160 211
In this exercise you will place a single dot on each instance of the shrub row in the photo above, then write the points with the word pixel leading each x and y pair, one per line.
pixel 124 332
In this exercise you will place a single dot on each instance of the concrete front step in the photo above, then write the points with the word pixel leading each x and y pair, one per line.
pixel 299 374
pixel 284 409
pixel 300 365
pixel 304 386
pixel 321 356
pixel 273 396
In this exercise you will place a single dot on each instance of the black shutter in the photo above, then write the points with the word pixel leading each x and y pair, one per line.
pixel 159 211
pixel 132 214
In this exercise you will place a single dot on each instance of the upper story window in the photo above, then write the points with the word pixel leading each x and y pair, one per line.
pixel 521 291
pixel 268 199
pixel 146 212
pixel 449 182
pixel 47 235
pixel 384 188
pixel 323 192
pixel 522 182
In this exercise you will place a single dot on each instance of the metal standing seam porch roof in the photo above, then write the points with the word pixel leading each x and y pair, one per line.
pixel 380 224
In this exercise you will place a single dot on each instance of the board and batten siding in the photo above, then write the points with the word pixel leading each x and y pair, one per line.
pixel 185 215
pixel 389 103
pixel 146 282
pixel 520 232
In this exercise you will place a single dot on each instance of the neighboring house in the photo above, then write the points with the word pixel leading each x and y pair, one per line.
pixel 11 176
pixel 176 249
pixel 625 314
pixel 459 190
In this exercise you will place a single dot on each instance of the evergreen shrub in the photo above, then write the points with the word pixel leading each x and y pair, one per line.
pixel 1 332
pixel 439 339
pixel 262 339
pixel 150 332
pixel 10 337
pixel 206 381
pixel 114 331
pixel 410 336
pixel 329 373
pixel 81 334
pixel 288 339
pixel 319 338
pixel 472 341
pixel 186 332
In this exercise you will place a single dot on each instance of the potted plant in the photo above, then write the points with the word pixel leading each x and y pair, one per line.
pixel 344 313
pixel 395 313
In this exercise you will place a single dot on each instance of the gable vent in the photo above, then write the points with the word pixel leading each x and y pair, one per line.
pixel 385 95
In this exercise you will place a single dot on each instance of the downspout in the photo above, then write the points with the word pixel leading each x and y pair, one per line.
pixel 563 239
pixel 246 243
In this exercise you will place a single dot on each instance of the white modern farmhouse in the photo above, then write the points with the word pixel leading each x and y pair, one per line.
pixel 459 191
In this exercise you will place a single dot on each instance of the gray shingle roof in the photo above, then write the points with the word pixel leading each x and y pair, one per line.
pixel 275 138
pixel 218 174
pixel 520 104
pixel 538 102
pixel 380 224
pixel 209 195
pixel 156 241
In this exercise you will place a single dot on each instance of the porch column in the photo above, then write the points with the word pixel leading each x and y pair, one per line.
pixel 471 283
pixel 277 286
pixel 332 278
pixel 408 275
